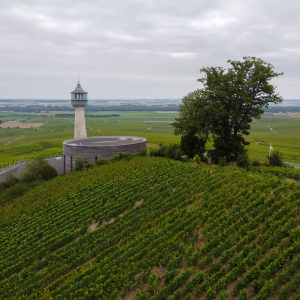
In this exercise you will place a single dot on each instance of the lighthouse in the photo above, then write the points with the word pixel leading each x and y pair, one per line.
pixel 79 101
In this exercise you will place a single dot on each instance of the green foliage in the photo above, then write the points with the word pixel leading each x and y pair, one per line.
pixel 13 187
pixel 243 295
pixel 275 159
pixel 10 179
pixel 197 159
pixel 79 163
pixel 9 194
pixel 223 295
pixel 38 168
pixel 153 283
pixel 154 227
pixel 281 172
pixel 238 286
pixel 121 156
pixel 226 105
pixel 192 145
pixel 27 175
pixel 47 172
pixel 172 151
pixel 222 161
pixel 257 285
pixel 102 162
pixel 243 160
pixel 255 162
pixel 88 165
pixel 210 294
pixel 14 153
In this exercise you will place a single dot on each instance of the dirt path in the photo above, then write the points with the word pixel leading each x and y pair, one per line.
pixel 272 129
pixel 14 140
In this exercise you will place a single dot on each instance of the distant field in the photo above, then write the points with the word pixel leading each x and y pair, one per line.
pixel 154 126
pixel 284 137
pixel 18 124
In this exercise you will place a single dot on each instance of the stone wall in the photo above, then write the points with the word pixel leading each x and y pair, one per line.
pixel 93 153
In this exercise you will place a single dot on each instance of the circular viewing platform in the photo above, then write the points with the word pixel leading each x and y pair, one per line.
pixel 99 147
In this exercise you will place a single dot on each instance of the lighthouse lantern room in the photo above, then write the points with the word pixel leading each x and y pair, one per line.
pixel 79 101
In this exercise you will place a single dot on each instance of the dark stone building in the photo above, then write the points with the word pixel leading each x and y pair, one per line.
pixel 94 148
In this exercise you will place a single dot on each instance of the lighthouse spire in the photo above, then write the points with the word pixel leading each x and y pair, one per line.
pixel 79 101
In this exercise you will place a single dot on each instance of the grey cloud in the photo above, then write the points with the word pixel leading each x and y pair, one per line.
pixel 139 49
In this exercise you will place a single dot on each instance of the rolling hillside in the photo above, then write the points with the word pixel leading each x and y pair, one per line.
pixel 153 228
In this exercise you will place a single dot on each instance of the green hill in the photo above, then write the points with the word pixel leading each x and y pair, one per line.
pixel 153 228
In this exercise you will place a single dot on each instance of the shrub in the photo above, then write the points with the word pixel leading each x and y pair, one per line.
pixel 173 151
pixel 222 161
pixel 255 162
pixel 88 165
pixel 142 153
pixel 27 176
pixel 10 179
pixel 123 156
pixel 243 160
pixel 47 172
pixel 197 159
pixel 275 159
pixel 101 162
pixel 79 163
pixel 38 168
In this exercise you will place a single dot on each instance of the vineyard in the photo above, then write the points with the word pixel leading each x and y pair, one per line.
pixel 153 228
pixel 12 154
pixel 282 172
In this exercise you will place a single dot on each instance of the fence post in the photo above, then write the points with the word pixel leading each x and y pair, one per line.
pixel 64 164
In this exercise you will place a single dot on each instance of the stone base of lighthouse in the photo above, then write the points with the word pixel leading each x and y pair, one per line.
pixel 99 147
pixel 79 125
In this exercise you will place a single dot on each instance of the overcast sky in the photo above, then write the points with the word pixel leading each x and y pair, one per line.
pixel 133 49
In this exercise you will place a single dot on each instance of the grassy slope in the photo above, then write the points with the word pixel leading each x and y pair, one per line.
pixel 152 227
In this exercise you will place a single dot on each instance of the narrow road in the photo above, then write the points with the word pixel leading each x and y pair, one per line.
pixel 292 165
pixel 22 137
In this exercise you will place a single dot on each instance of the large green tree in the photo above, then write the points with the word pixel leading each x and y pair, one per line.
pixel 223 110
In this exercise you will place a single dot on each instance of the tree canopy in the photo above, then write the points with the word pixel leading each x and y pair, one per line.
pixel 224 108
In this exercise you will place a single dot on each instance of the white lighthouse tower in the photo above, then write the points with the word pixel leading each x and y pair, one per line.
pixel 79 101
